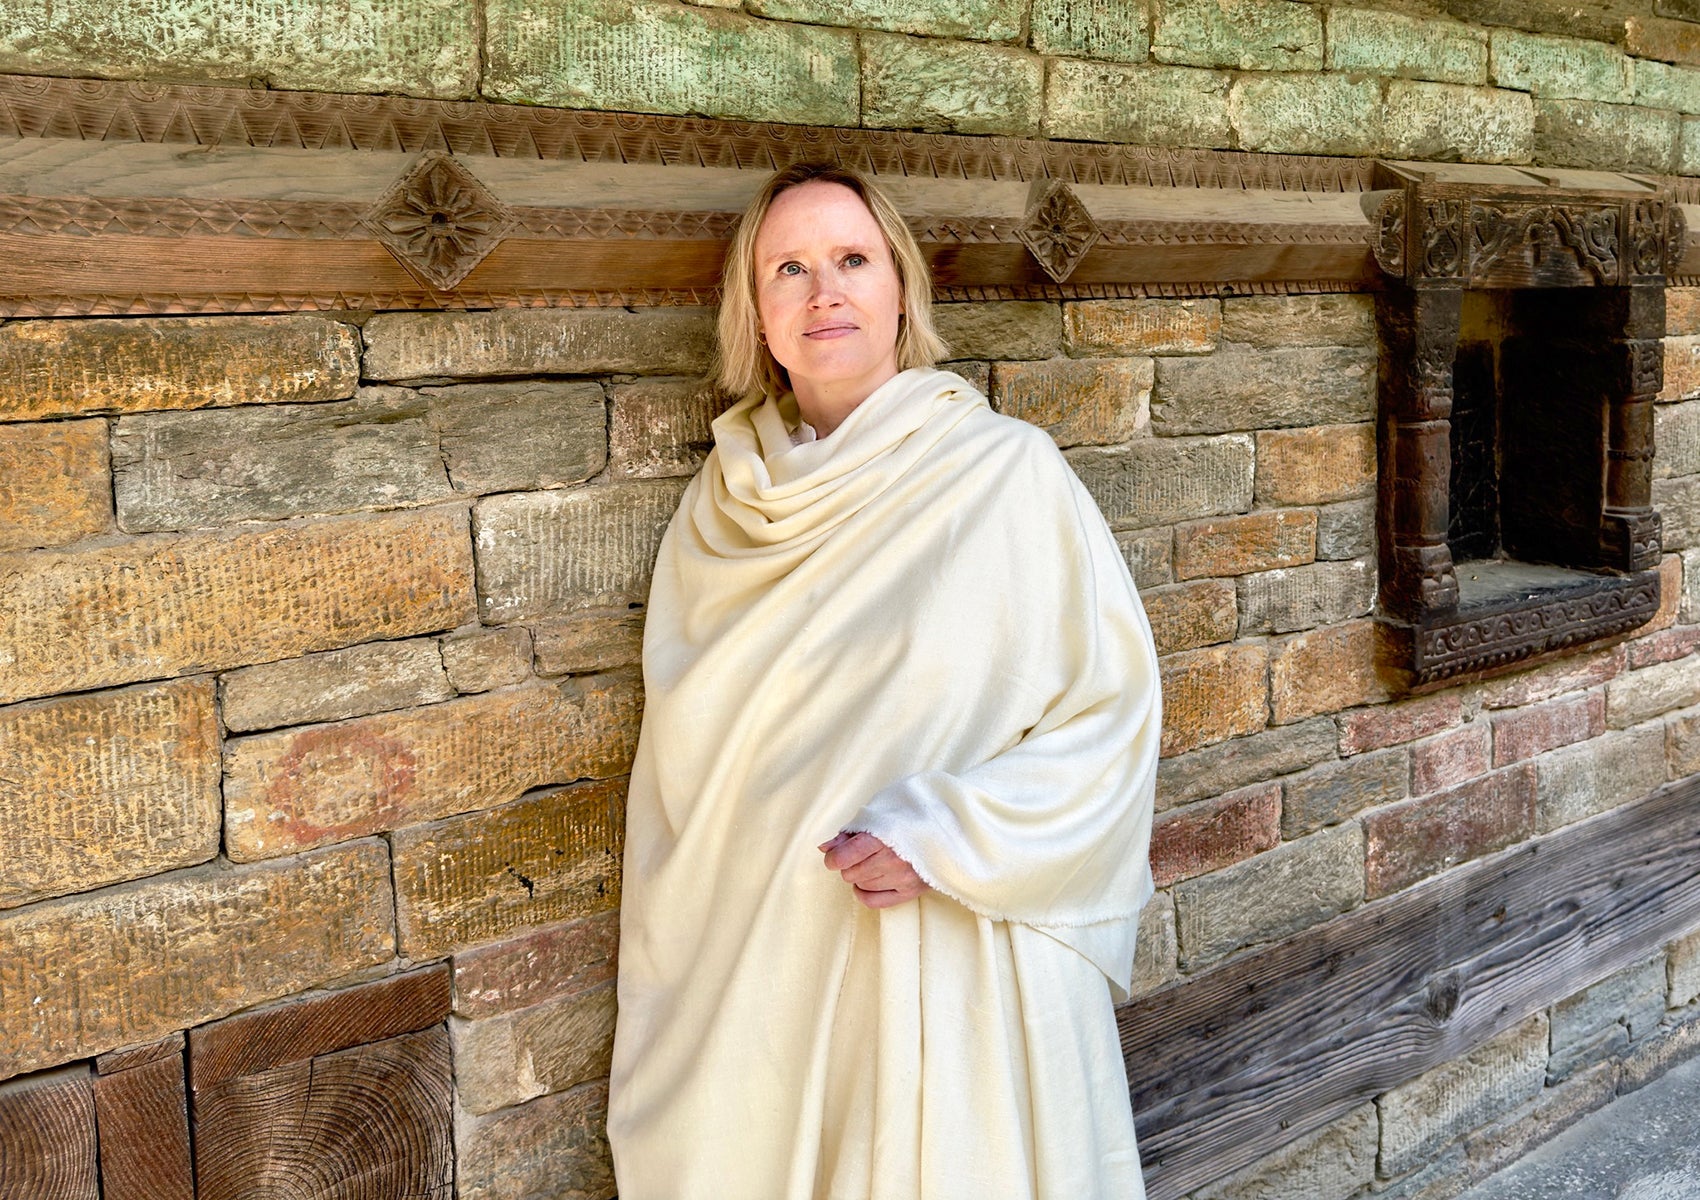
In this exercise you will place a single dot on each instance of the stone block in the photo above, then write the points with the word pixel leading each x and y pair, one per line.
pixel 1561 68
pixel 1146 105
pixel 71 620
pixel 978 375
pixel 54 483
pixel 593 546
pixel 1676 434
pixel 128 964
pixel 552 856
pixel 1345 530
pixel 1258 541
pixel 1590 777
pixel 417 49
pixel 555 1147
pixel 300 788
pixel 950 86
pixel 66 368
pixel 1078 401
pixel 1206 837
pixel 1501 1143
pixel 1185 616
pixel 1282 322
pixel 661 427
pixel 1678 502
pixel 1449 759
pixel 1270 897
pixel 1658 85
pixel 1213 694
pixel 334 685
pixel 1420 1117
pixel 1658 1054
pixel 1414 839
pixel 987 20
pixel 1237 388
pixel 1149 554
pixel 587 642
pixel 442 347
pixel 1689 610
pixel 1571 673
pixel 1617 137
pixel 1307 114
pixel 1337 791
pixel 1688 147
pixel 1682 358
pixel 1332 1163
pixel 1243 761
pixel 197 470
pixel 1142 326
pixel 513 437
pixel 1119 30
pixel 1638 696
pixel 1393 724
pixel 1657 640
pixel 1248 35
pixel 645 56
pixel 1631 1001
pixel 1292 598
pixel 1682 743
pixel 1402 46
pixel 1682 971
pixel 1449 122
pixel 536 1051
pixel 1000 329
pixel 1326 670
pixel 1665 646
pixel 1682 313
pixel 540 965
pixel 1525 732
pixel 107 786
pixel 1155 954
pixel 1156 482
pixel 484 660
pixel 1652 38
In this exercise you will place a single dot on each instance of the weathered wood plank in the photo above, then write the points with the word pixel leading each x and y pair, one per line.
pixel 131 1057
pixel 143 1117
pixel 366 1123
pixel 1229 1066
pixel 274 1037
pixel 47 1137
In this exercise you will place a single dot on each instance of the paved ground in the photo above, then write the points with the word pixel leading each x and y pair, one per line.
pixel 1645 1146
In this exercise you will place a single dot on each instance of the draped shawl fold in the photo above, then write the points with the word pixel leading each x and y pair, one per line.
pixel 920 628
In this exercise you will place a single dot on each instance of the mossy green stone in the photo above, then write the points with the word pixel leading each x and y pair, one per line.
pixel 1150 105
pixel 1559 68
pixel 1444 122
pixel 1660 85
pixel 415 47
pixel 982 20
pixel 960 87
pixel 1251 35
pixel 1385 43
pixel 1119 30
pixel 1688 147
pixel 1307 114
pixel 651 57
pixel 1609 137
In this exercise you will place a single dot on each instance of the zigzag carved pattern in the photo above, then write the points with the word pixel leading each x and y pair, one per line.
pixel 1157 233
pixel 116 111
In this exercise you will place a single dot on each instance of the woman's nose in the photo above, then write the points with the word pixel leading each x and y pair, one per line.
pixel 826 291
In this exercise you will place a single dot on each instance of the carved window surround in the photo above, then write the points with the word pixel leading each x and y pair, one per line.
pixel 1580 262
pixel 139 198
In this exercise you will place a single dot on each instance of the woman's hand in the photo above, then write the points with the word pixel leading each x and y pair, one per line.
pixel 872 868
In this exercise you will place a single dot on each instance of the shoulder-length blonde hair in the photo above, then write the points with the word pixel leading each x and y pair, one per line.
pixel 746 364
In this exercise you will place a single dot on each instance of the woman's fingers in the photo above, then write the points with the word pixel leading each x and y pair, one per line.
pixel 852 849
pixel 880 878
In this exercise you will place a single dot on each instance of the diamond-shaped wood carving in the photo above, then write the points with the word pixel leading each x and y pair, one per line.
pixel 439 221
pixel 1058 230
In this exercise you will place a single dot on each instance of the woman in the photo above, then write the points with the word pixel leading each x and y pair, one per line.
pixel 888 824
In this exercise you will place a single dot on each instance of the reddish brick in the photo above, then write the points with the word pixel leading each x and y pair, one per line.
pixel 1665 646
pixel 1451 758
pixel 553 962
pixel 1328 669
pixel 1572 673
pixel 1525 732
pixel 1423 836
pixel 1391 724
pixel 1259 541
pixel 1207 837
pixel 1213 694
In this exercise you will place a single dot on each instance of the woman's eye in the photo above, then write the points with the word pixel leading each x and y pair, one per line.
pixel 854 260
pixel 791 269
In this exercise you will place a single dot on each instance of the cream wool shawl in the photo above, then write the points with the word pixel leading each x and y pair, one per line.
pixel 921 628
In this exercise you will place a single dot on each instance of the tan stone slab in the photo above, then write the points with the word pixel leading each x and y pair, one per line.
pixel 173 605
pixel 1245 388
pixel 105 787
pixel 540 965
pixel 54 483
pixel 660 427
pixel 335 685
pixel 592 641
pixel 1259 541
pixel 1272 322
pixel 87 974
pixel 511 437
pixel 554 1146
pixel 65 368
pixel 1682 311
pixel 1682 366
pixel 1000 329
pixel 1669 41
pixel 1315 466
pixel 1159 480
pixel 552 856
pixel 1185 616
pixel 1326 670
pixel 1143 326
pixel 1090 401
pixel 487 659
pixel 299 788
pixel 1293 598
pixel 547 1048
pixel 1213 694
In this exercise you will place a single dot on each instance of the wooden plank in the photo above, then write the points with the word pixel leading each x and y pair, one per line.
pixel 367 1123
pixel 143 1117
pixel 1226 1067
pixel 301 1029
pixel 112 1062
pixel 47 1137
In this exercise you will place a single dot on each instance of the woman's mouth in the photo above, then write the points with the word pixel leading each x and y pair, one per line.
pixel 824 332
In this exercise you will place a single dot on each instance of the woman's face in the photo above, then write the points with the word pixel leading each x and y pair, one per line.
pixel 827 294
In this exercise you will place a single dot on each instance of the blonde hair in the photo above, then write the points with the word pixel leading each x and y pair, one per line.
pixel 746 364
